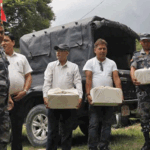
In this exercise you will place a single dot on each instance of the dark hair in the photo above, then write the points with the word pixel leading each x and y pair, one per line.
pixel 100 41
pixel 10 36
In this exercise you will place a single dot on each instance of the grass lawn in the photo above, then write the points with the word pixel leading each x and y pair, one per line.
pixel 127 138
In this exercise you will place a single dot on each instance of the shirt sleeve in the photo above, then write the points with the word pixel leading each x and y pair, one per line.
pixel 88 66
pixel 48 78
pixel 114 67
pixel 27 68
pixel 133 62
pixel 78 81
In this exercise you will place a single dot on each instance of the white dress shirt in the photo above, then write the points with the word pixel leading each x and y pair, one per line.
pixel 99 77
pixel 18 68
pixel 63 77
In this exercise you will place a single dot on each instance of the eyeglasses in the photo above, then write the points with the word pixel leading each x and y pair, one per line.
pixel 101 66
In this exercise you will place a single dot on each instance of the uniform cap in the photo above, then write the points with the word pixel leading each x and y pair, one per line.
pixel 62 47
pixel 145 36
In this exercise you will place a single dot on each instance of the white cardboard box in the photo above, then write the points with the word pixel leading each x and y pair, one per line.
pixel 63 99
pixel 143 75
pixel 106 96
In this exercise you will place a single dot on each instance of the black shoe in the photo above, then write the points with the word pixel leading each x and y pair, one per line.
pixel 93 148
pixel 146 147
pixel 105 148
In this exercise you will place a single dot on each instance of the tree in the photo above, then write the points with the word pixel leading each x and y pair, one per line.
pixel 24 16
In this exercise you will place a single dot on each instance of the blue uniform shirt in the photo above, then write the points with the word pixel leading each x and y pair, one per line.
pixel 140 60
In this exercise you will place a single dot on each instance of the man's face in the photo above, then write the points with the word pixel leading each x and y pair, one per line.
pixel 101 51
pixel 62 55
pixel 8 44
pixel 145 44
pixel 1 34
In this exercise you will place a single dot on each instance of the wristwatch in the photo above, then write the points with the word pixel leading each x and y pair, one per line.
pixel 25 91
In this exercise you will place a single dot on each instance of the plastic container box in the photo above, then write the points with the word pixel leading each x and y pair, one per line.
pixel 63 99
pixel 106 96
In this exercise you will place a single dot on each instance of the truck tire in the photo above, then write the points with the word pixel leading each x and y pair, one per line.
pixel 121 121
pixel 37 125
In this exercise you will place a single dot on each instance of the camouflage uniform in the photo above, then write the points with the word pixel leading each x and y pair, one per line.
pixel 141 60
pixel 4 114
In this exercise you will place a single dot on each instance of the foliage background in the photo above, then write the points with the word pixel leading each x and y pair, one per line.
pixel 24 16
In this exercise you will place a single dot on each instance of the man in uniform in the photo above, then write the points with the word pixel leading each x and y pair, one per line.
pixel 4 88
pixel 20 73
pixel 142 60
pixel 61 74
pixel 100 71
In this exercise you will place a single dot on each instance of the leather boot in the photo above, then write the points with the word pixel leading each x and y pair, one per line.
pixel 146 146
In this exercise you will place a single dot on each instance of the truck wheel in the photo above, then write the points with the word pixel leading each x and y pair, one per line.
pixel 125 121
pixel 37 125
pixel 121 121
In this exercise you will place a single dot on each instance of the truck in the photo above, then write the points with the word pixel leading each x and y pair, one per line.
pixel 80 36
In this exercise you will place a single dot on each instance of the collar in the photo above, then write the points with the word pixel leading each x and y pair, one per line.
pixel 102 61
pixel 13 54
pixel 142 51
pixel 58 63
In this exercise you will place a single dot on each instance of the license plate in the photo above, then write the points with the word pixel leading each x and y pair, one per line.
pixel 125 111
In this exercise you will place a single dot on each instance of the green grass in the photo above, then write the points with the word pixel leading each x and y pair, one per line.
pixel 127 138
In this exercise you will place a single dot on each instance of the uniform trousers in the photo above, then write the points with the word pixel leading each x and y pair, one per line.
pixel 99 136
pixel 17 120
pixel 4 130
pixel 143 95
pixel 60 126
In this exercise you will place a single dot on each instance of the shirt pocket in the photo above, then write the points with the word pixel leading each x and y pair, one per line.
pixel 19 67
pixel 140 63
pixel 70 77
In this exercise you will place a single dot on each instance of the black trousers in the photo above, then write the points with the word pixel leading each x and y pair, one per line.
pixel 17 119
pixel 60 120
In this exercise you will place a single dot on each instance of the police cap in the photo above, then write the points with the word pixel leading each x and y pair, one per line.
pixel 145 36
pixel 62 47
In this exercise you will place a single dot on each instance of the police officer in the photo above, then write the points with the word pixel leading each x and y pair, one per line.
pixel 142 60
pixel 4 87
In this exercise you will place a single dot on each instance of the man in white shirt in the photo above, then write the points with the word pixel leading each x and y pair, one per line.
pixel 20 82
pixel 65 75
pixel 100 71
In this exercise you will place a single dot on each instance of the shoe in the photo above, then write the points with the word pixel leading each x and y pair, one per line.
pixel 146 147
pixel 93 148
pixel 105 148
